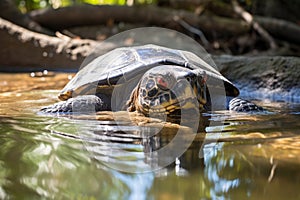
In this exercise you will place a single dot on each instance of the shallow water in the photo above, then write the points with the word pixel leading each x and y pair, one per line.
pixel 48 157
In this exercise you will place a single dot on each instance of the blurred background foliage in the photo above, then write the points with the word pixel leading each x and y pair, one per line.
pixel 28 5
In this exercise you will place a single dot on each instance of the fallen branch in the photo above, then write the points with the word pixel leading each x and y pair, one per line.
pixel 10 12
pixel 82 15
pixel 256 26
pixel 147 15
pixel 280 28
pixel 195 31
pixel 24 50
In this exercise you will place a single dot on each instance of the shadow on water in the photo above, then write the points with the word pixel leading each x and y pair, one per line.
pixel 241 156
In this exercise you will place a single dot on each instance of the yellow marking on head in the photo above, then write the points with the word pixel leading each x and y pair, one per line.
pixel 66 95
pixel 189 105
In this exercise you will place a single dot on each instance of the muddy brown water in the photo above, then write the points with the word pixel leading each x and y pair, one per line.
pixel 67 157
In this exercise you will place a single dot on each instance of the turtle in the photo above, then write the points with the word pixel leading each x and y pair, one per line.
pixel 148 79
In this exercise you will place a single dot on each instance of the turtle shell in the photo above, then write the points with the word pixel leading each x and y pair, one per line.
pixel 130 63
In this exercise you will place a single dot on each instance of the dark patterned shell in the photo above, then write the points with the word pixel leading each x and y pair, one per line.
pixel 130 63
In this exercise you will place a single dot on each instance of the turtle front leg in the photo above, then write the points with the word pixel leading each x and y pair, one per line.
pixel 80 104
pixel 242 105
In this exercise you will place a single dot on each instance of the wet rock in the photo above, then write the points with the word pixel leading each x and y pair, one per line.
pixel 275 78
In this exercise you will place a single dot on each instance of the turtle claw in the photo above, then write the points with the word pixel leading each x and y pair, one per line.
pixel 80 104
pixel 242 105
pixel 60 107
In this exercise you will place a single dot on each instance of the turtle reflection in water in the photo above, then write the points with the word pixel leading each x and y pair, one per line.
pixel 147 79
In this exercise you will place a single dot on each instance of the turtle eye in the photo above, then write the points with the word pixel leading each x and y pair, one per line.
pixel 162 83
pixel 150 84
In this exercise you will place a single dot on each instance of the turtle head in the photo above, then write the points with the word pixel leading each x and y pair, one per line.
pixel 168 89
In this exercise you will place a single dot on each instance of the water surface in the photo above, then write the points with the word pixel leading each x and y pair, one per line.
pixel 49 157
